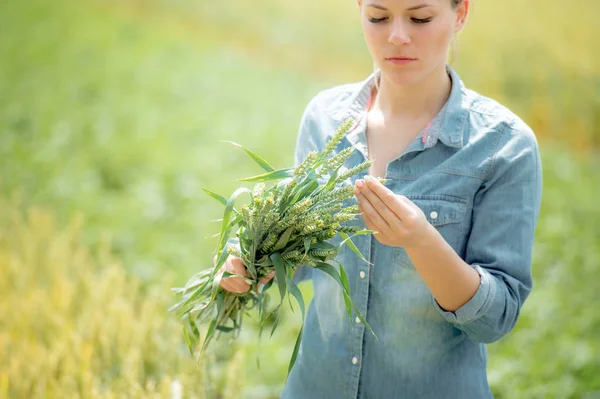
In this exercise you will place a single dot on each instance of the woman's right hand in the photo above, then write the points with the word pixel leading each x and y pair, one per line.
pixel 236 284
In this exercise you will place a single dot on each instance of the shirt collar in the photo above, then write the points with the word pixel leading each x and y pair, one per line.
pixel 447 126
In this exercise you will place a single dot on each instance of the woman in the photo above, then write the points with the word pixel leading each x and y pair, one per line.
pixel 451 262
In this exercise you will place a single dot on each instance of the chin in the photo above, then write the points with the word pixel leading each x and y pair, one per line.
pixel 408 75
pixel 400 77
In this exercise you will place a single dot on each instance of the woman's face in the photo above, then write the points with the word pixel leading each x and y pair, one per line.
pixel 409 39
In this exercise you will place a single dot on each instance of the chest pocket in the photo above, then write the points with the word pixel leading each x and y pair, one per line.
pixel 445 213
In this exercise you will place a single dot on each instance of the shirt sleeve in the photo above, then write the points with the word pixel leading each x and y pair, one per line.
pixel 499 248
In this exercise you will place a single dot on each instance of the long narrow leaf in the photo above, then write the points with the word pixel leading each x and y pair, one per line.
pixel 327 268
pixel 274 175
pixel 344 278
pixel 293 288
pixel 197 293
pixel 188 339
pixel 279 273
pixel 364 321
pixel 276 322
pixel 306 190
pixel 259 160
pixel 224 237
pixel 229 208
pixel 209 333
pixel 353 247
pixel 283 239
pixel 295 352
pixel 216 196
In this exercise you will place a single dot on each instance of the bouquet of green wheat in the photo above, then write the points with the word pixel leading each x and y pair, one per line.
pixel 286 225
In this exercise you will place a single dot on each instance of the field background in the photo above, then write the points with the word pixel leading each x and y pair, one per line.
pixel 111 119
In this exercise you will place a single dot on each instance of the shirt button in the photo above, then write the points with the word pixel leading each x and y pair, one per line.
pixel 362 274
pixel 354 360
pixel 433 215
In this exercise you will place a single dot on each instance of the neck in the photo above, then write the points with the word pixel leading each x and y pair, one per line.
pixel 424 99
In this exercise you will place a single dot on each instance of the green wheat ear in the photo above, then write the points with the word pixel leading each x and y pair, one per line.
pixel 341 131
pixel 282 227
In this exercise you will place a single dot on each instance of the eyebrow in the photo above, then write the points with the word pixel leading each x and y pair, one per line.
pixel 408 9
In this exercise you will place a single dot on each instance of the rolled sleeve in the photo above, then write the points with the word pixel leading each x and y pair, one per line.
pixel 500 243
pixel 478 305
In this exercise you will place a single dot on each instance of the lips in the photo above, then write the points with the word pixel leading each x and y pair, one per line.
pixel 401 60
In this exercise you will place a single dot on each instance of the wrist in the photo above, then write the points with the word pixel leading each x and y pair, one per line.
pixel 424 241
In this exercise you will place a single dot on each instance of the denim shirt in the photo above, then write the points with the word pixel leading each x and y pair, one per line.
pixel 476 174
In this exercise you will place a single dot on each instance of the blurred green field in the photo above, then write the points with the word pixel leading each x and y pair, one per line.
pixel 114 112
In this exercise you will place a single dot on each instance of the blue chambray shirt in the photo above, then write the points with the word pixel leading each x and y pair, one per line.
pixel 477 176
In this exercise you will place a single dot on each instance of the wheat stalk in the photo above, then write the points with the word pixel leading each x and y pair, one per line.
pixel 283 227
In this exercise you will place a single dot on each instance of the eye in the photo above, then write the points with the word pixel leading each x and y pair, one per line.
pixel 377 20
pixel 421 21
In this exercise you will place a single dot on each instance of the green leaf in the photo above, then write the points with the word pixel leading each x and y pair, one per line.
pixel 323 245
pixel 259 160
pixel 364 322
pixel 329 269
pixel 276 322
pixel 283 240
pixel 216 196
pixel 306 245
pixel 209 333
pixel 344 277
pixel 293 288
pixel 219 303
pixel 349 304
pixel 199 291
pixel 353 247
pixel 274 175
pixel 296 348
pixel 332 178
pixel 347 299
pixel 304 190
pixel 188 339
pixel 229 209
pixel 279 273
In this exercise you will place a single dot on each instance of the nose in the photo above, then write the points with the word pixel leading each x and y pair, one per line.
pixel 399 34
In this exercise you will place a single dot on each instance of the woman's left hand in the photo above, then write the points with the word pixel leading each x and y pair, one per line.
pixel 397 220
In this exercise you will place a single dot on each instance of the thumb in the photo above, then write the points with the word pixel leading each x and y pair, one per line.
pixel 267 278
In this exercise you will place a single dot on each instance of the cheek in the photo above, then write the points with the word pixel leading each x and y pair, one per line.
pixel 374 37
pixel 436 39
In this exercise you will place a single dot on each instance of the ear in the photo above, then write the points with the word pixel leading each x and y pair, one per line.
pixel 461 15
pixel 359 3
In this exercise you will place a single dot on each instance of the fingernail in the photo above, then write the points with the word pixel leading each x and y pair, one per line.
pixel 368 178
pixel 360 183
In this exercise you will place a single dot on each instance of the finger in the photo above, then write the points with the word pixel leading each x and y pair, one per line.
pixel 235 284
pixel 359 191
pixel 372 213
pixel 236 266
pixel 368 222
pixel 387 196
pixel 382 207
pixel 267 278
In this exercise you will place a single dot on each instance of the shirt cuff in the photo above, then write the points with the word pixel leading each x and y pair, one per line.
pixel 477 306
